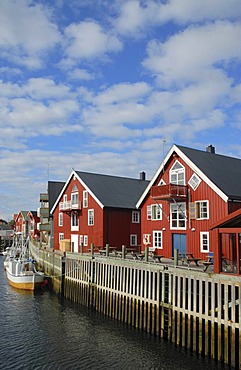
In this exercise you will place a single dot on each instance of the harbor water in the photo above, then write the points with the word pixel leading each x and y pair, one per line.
pixel 43 332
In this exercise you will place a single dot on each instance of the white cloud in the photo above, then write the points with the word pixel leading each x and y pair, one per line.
pixel 199 10
pixel 80 74
pixel 196 52
pixel 87 40
pixel 136 16
pixel 26 32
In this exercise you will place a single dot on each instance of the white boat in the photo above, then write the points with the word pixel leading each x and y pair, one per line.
pixel 22 274
pixel 20 268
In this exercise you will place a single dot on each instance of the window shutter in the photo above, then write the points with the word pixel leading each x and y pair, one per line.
pixel 148 212
pixel 192 211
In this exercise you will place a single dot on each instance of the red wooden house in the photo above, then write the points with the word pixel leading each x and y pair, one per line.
pixel 26 223
pixel 98 209
pixel 190 191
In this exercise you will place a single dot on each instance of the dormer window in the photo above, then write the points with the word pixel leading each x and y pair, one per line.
pixel 177 174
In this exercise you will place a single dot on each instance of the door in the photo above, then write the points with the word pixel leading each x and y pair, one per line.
pixel 179 242
pixel 74 243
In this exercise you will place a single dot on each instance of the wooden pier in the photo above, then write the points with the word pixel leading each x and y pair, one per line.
pixel 193 309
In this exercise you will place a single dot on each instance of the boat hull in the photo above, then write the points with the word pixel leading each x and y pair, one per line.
pixel 27 280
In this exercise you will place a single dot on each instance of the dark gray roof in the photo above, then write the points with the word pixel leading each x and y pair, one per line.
pixel 54 189
pixel 223 171
pixel 114 191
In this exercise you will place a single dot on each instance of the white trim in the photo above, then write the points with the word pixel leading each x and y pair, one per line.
pixel 73 173
pixel 201 241
pixel 173 149
pixel 153 239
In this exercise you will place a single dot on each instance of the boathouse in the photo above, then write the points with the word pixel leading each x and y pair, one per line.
pixel 97 209
pixel 190 191
pixel 228 244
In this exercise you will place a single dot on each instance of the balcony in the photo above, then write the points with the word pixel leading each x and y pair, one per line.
pixel 69 206
pixel 44 197
pixel 44 227
pixel 43 212
pixel 169 192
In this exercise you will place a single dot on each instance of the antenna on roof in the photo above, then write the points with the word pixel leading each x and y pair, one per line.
pixel 48 172
pixel 163 146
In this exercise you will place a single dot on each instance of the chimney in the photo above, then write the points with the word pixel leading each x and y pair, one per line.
pixel 210 149
pixel 142 176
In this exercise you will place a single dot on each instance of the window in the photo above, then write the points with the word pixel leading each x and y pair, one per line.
pixel 65 198
pixel 162 182
pixel 194 181
pixel 178 215
pixel 133 240
pixel 204 241
pixel 154 212
pixel 202 209
pixel 157 239
pixel 85 199
pixel 146 239
pixel 74 222
pixel 85 240
pixel 75 198
pixel 81 239
pixel 60 219
pixel 61 236
pixel 177 174
pixel 90 217
pixel 135 217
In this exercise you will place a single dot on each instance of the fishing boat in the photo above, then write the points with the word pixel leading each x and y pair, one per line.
pixel 21 271
pixel 22 274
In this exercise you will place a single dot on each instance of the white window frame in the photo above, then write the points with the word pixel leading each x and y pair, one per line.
pixel 85 199
pixel 135 217
pixel 200 213
pixel 204 241
pixel 133 240
pixel 156 212
pixel 157 239
pixel 74 198
pixel 81 239
pixel 65 198
pixel 181 219
pixel 177 175
pixel 74 222
pixel 86 240
pixel 91 219
pixel 61 236
pixel 61 219
pixel 194 181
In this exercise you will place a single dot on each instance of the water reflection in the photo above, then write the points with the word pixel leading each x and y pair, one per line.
pixel 40 331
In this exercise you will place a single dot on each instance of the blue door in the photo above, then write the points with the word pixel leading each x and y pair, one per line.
pixel 179 242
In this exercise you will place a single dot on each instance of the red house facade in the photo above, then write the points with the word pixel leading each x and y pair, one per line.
pixel 26 223
pixel 98 209
pixel 191 190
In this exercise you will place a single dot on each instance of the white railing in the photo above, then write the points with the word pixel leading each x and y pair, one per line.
pixel 69 205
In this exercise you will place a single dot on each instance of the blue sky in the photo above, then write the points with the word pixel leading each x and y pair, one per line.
pixel 100 85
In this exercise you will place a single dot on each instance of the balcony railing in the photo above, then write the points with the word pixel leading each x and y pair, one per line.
pixel 44 197
pixel 168 192
pixel 69 206
pixel 44 227
pixel 43 212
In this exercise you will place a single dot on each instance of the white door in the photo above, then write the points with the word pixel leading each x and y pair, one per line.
pixel 74 243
